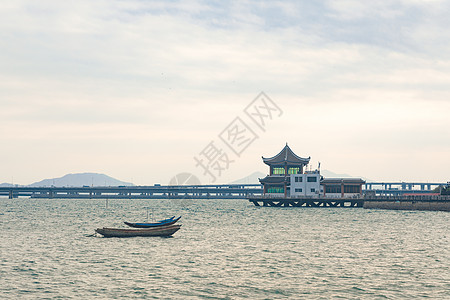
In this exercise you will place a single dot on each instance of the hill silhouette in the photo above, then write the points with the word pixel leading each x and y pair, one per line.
pixel 81 179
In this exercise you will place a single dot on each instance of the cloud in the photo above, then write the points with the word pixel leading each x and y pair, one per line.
pixel 165 71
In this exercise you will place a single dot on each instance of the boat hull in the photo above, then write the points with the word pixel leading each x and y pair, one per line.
pixel 122 232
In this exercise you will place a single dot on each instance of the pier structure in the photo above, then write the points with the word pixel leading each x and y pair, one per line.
pixel 287 179
pixel 288 186
pixel 411 202
pixel 287 176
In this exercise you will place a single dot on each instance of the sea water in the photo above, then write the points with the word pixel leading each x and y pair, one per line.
pixel 226 249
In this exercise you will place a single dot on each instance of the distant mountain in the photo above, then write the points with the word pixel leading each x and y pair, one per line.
pixel 81 179
pixel 6 184
pixel 250 179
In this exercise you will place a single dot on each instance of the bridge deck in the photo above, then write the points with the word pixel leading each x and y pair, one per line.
pixel 222 191
pixel 136 192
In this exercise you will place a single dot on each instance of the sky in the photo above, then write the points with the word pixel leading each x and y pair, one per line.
pixel 145 90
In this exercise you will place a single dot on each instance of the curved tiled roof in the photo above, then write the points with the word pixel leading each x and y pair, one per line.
pixel 274 179
pixel 342 180
pixel 286 155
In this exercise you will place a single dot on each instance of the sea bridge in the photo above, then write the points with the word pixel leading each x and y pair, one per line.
pixel 402 188
pixel 223 191
pixel 220 191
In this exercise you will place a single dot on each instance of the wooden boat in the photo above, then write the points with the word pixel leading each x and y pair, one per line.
pixel 125 232
pixel 165 222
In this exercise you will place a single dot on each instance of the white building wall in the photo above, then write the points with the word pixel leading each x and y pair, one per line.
pixel 274 195
pixel 300 186
pixel 351 195
pixel 333 195
pixel 339 195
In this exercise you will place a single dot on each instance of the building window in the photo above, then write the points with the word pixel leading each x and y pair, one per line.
pixel 313 190
pixel 353 189
pixel 333 189
pixel 312 179
pixel 294 170
pixel 278 171
pixel 298 190
pixel 298 179
pixel 276 190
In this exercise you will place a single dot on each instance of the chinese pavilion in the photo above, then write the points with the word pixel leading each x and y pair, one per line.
pixel 282 166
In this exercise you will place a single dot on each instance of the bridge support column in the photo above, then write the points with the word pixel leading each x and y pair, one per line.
pixel 11 194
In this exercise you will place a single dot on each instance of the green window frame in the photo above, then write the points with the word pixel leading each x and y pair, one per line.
pixel 294 170
pixel 275 190
pixel 279 171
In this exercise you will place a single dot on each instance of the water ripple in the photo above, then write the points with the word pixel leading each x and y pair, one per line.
pixel 225 250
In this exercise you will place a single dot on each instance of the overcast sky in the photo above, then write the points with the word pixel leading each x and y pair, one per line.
pixel 137 89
